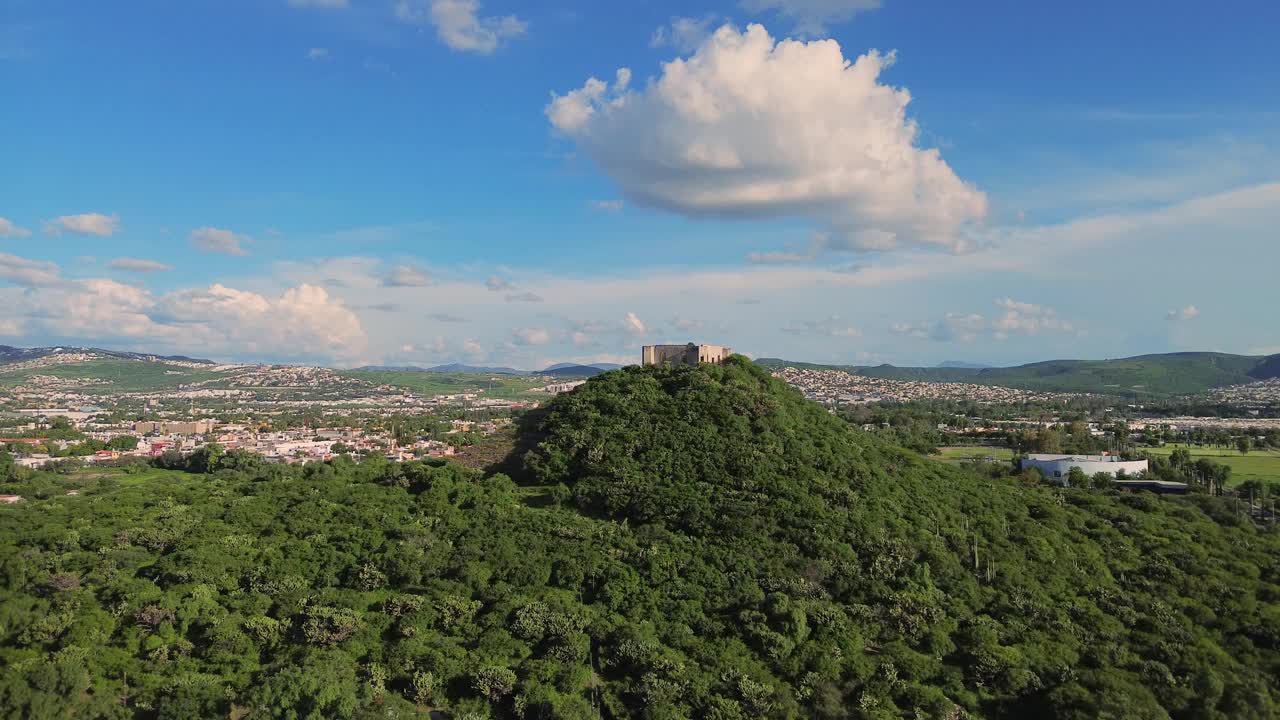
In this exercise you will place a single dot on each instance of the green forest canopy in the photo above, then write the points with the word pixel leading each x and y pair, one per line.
pixel 711 545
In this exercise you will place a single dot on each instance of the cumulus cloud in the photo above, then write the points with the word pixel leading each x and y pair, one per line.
pixel 95 224
pixel 1190 312
pixel 1018 318
pixel 302 321
pixel 10 230
pixel 811 17
pixel 831 326
pixel 684 34
pixel 497 284
pixel 524 297
pixel 21 271
pixel 406 276
pixel 459 24
pixel 139 265
pixel 531 336
pixel 752 127
pixel 219 241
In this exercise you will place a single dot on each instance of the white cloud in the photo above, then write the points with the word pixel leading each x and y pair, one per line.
pixel 473 349
pixel 526 297
pixel 497 284
pixel 531 336
pixel 459 25
pixel 684 34
pixel 634 325
pixel 327 4
pixel 406 276
pixel 749 127
pixel 1190 312
pixel 95 224
pixel 1019 318
pixel 9 230
pixel 216 240
pixel 22 271
pixel 812 16
pixel 139 265
pixel 608 205
pixel 302 321
pixel 318 53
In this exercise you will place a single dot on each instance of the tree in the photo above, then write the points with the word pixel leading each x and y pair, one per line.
pixel 123 443
pixel 1244 444
pixel 1077 479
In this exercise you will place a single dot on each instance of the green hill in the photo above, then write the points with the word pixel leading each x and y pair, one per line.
pixel 112 374
pixel 1144 375
pixel 687 543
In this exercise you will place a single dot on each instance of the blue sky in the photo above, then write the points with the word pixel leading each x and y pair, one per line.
pixel 420 181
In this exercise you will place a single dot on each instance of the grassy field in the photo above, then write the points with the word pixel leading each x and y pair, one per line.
pixel 122 375
pixel 1261 465
pixel 957 455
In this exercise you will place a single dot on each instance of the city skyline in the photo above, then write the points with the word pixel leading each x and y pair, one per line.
pixel 347 183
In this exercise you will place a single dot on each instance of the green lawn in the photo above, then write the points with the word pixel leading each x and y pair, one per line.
pixel 1261 465
pixel 957 455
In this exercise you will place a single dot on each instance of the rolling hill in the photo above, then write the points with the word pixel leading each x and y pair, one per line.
pixel 1168 374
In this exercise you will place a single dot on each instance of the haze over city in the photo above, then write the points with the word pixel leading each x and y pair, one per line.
pixel 350 182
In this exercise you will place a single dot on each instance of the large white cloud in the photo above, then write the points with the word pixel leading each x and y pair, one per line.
pixel 459 25
pixel 751 127
pixel 95 224
pixel 301 323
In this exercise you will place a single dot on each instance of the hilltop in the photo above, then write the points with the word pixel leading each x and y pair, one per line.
pixel 1145 375
pixel 839 571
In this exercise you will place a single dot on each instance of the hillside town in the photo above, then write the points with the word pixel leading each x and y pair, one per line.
pixel 837 387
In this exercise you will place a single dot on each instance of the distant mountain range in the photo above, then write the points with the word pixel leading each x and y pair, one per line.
pixel 963 365
pixel 9 354
pixel 1144 376
pixel 1182 373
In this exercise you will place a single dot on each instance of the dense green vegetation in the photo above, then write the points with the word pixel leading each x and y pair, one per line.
pixel 689 543
pixel 1142 376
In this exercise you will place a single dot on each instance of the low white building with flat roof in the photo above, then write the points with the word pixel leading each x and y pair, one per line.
pixel 1056 468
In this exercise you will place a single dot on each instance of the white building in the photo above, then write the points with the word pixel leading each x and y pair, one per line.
pixel 1056 468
